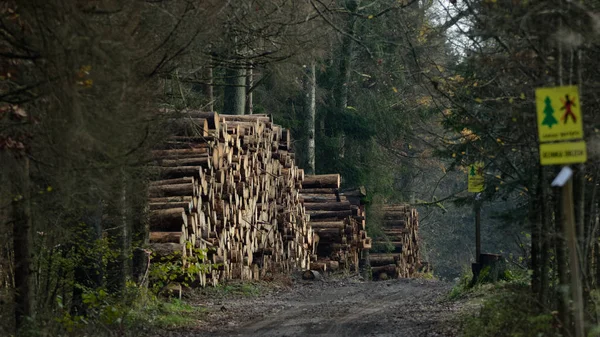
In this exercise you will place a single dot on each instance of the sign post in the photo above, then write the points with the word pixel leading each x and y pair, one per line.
pixel 560 130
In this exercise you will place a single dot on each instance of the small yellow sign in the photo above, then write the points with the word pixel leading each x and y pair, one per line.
pixel 558 114
pixel 563 153
pixel 476 180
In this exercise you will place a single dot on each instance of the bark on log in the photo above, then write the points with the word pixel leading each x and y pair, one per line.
pixel 170 219
pixel 322 181
pixel 167 237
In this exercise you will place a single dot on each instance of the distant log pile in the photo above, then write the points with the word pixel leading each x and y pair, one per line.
pixel 400 225
pixel 338 223
pixel 229 185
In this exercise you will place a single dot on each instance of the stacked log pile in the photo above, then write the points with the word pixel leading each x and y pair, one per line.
pixel 226 195
pixel 400 226
pixel 338 224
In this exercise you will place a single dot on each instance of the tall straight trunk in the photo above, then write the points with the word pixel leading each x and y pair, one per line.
pixel 235 90
pixel 22 245
pixel 579 193
pixel 138 191
pixel 590 230
pixel 544 237
pixel 561 263
pixel 89 273
pixel 207 87
pixel 310 106
pixel 118 232
pixel 249 84
pixel 535 223
pixel 344 70
pixel 560 240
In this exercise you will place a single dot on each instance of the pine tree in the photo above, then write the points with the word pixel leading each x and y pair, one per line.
pixel 549 112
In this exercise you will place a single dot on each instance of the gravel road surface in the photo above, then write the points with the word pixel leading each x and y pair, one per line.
pixel 347 307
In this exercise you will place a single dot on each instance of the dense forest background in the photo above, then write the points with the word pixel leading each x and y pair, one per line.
pixel 399 96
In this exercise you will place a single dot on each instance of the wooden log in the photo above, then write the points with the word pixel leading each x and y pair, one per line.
pixel 383 259
pixel 182 153
pixel 306 191
pixel 183 180
pixel 329 214
pixel 389 269
pixel 186 205
pixel 318 266
pixel 327 206
pixel 393 223
pixel 170 199
pixel 212 118
pixel 176 172
pixel 186 189
pixel 327 224
pixel 188 126
pixel 333 265
pixel 168 220
pixel 246 118
pixel 167 237
pixel 205 162
pixel 166 250
pixel 322 181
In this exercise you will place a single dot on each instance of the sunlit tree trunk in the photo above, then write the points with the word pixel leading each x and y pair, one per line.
pixel 310 113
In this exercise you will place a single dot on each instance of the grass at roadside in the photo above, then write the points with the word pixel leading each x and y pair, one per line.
pixel 234 289
pixel 502 309
pixel 165 314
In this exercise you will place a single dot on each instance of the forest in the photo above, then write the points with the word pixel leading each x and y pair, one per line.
pixel 398 97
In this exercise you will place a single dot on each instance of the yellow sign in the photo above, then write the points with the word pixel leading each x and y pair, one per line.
pixel 563 153
pixel 558 114
pixel 476 180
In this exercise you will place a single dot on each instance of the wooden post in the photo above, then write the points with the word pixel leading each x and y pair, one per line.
pixel 564 180
pixel 570 233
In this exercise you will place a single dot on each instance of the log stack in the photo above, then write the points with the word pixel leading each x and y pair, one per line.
pixel 338 223
pixel 226 197
pixel 400 226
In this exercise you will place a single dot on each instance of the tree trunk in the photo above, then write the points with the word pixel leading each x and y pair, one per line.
pixel 249 83
pixel 345 57
pixel 544 238
pixel 310 113
pixel 235 90
pixel 561 264
pixel 118 233
pixel 89 273
pixel 534 221
pixel 22 243
pixel 207 87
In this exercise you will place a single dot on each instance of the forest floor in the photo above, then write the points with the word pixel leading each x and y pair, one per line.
pixel 329 307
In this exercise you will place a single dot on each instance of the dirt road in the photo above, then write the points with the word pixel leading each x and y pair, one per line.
pixel 338 308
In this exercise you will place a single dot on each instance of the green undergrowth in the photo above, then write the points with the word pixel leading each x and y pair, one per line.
pixel 167 314
pixel 502 309
pixel 509 311
pixel 136 312
pixel 233 289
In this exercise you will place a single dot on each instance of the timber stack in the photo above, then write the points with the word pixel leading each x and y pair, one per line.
pixel 226 198
pixel 338 223
pixel 400 224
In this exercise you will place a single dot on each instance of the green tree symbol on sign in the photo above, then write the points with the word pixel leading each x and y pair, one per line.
pixel 549 120
pixel 472 173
